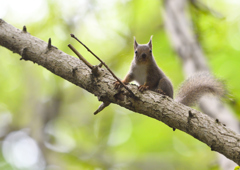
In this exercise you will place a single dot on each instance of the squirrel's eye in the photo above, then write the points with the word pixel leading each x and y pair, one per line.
pixel 136 52
pixel 150 51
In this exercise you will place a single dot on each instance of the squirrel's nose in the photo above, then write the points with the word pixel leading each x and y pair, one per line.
pixel 144 55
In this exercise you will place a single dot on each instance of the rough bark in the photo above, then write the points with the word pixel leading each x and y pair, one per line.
pixel 162 108
pixel 184 42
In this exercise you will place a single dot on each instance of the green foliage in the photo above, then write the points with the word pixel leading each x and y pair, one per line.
pixel 237 168
pixel 59 115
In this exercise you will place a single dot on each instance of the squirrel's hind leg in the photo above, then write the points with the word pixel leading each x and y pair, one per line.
pixel 165 87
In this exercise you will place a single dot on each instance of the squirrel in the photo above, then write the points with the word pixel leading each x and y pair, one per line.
pixel 145 71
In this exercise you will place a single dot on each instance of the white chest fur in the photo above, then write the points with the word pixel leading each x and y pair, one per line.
pixel 140 74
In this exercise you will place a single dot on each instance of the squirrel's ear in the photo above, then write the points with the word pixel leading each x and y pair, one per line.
pixel 150 42
pixel 135 43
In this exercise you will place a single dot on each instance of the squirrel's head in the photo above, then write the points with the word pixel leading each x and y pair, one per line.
pixel 143 52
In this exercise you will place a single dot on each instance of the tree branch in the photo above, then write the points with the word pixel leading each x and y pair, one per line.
pixel 159 107
pixel 184 42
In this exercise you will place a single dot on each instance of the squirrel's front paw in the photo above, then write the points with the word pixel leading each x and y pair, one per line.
pixel 143 88
pixel 117 84
pixel 160 91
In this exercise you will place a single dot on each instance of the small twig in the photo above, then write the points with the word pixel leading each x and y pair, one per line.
pixel 49 43
pixel 80 56
pixel 95 70
pixel 101 107
pixel 190 116
pixel 100 65
pixel 73 36
pixel 24 28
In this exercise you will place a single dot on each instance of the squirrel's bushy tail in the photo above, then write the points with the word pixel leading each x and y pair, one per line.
pixel 198 85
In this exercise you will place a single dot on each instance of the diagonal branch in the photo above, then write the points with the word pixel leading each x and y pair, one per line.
pixel 159 107
pixel 72 35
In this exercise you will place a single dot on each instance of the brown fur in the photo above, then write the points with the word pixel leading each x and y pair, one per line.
pixel 145 71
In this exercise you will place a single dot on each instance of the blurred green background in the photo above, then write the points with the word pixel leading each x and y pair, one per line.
pixel 48 123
